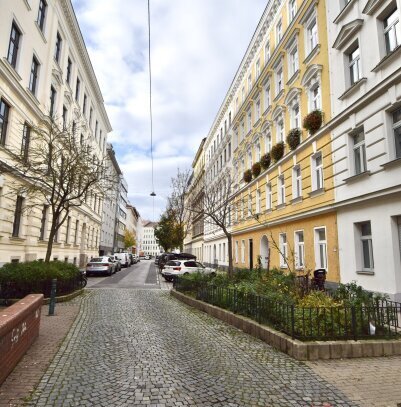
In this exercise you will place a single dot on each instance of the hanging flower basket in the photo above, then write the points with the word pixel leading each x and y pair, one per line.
pixel 277 151
pixel 256 169
pixel 248 176
pixel 265 161
pixel 294 138
pixel 313 121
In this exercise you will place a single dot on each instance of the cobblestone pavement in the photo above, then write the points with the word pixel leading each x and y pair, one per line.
pixel 27 374
pixel 142 347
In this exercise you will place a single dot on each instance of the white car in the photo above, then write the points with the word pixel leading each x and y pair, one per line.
pixel 101 265
pixel 174 268
pixel 124 259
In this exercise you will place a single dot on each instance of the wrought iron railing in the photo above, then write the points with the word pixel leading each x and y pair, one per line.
pixel 378 319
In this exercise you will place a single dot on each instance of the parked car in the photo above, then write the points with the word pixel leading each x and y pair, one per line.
pixel 131 259
pixel 165 257
pixel 157 259
pixel 147 257
pixel 174 268
pixel 136 258
pixel 124 259
pixel 116 261
pixel 101 265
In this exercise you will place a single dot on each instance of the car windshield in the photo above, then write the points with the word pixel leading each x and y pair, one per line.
pixel 200 265
pixel 97 260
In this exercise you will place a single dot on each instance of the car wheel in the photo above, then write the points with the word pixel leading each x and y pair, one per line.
pixel 110 272
pixel 186 273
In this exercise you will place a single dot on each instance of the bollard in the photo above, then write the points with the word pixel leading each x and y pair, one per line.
pixel 52 302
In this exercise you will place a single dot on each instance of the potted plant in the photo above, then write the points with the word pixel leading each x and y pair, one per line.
pixel 313 121
pixel 256 169
pixel 248 176
pixel 277 151
pixel 294 138
pixel 265 161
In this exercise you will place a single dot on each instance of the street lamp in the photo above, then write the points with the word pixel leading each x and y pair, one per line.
pixel 152 194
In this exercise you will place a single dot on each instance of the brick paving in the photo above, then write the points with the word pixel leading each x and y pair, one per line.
pixel 29 371
pixel 143 347
pixel 373 382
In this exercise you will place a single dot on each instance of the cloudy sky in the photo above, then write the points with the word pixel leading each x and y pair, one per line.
pixel 196 48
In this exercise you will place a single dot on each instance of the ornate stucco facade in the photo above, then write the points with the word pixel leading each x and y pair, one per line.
pixel 45 66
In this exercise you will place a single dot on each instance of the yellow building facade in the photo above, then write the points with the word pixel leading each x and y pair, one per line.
pixel 285 214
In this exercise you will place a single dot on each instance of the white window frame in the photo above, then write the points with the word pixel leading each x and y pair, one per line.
pixel 283 245
pixel 317 172
pixel 292 9
pixel 250 158
pixel 392 31
pixel 269 196
pixel 299 249
pixel 320 249
pixel 312 34
pixel 293 57
pixel 267 52
pixel 257 110
pixel 236 251
pixel 296 182
pixel 279 31
pixel 268 142
pixel 243 251
pixel 354 64
pixel 396 127
pixel 279 76
pixel 315 98
pixel 281 190
pixel 366 239
pixel 258 151
pixel 257 68
pixel 258 199
pixel 359 150
pixel 249 204
pixel 280 130
pixel 267 96
pixel 249 120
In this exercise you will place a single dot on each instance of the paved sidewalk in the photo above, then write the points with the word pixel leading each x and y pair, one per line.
pixel 144 348
pixel 28 373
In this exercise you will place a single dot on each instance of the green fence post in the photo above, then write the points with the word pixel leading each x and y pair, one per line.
pixel 353 323
pixel 52 302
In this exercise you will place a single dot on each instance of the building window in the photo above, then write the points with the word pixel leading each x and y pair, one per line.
pixel 77 89
pixel 281 190
pixel 250 158
pixel 279 80
pixel 280 130
pixel 279 31
pixel 311 35
pixel 258 201
pixel 258 151
pixel 299 250
pixel 43 222
pixel 65 113
pixel 67 231
pixel 295 116
pixel 355 65
pixel 249 82
pixel 257 110
pixel 283 246
pixel 17 216
pixel 321 248
pixel 13 46
pixel 314 97
pixel 296 182
pixel 53 95
pixel 267 101
pixel 69 69
pixel 392 31
pixel 41 14
pixel 26 137
pixel 396 131
pixel 33 79
pixel 317 172
pixel 267 52
pixel 242 251
pixel 268 196
pixel 367 246
pixel 257 68
pixel 84 104
pixel 268 142
pixel 359 152
pixel 249 116
pixel 293 60
pixel 249 205
pixel 4 112
pixel 57 50
pixel 292 9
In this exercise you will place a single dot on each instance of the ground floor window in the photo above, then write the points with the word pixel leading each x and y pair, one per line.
pixel 283 249
pixel 320 248
pixel 365 234
pixel 236 251
pixel 243 251
pixel 299 249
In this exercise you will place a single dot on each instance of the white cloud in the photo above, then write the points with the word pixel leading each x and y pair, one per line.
pixel 197 46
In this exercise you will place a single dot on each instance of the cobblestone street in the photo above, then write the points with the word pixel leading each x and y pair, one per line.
pixel 142 347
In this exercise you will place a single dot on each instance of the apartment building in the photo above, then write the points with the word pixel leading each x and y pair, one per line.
pixel 45 70
pixel 364 53
pixel 149 242
pixel 132 224
pixel 121 214
pixel 193 242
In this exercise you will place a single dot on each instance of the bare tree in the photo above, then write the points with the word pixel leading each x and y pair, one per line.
pixel 217 207
pixel 57 166
pixel 176 207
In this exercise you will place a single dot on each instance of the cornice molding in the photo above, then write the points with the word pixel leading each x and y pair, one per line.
pixel 347 32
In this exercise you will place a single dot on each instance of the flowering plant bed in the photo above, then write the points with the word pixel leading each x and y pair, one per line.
pixel 294 138
pixel 313 121
pixel 248 176
pixel 277 151
pixel 265 161
pixel 256 169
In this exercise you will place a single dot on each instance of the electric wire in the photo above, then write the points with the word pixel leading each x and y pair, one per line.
pixel 150 101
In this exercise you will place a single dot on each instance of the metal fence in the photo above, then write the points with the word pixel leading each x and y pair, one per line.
pixel 14 290
pixel 380 319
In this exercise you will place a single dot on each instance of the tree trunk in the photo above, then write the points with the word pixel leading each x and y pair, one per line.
pixel 53 231
pixel 230 255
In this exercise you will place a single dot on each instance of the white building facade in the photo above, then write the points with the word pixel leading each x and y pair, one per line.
pixel 149 243
pixel 365 54
pixel 45 69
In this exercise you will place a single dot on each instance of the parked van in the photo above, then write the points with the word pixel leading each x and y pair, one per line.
pixel 124 259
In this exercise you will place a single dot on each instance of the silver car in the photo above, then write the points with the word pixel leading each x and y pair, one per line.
pixel 101 265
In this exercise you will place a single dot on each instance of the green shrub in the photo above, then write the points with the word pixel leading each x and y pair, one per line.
pixel 353 294
pixel 34 271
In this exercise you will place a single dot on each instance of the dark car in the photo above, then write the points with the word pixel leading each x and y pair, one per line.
pixel 165 257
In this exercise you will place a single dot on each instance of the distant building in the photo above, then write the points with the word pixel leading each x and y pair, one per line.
pixel 149 243
pixel 132 225
pixel 121 215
